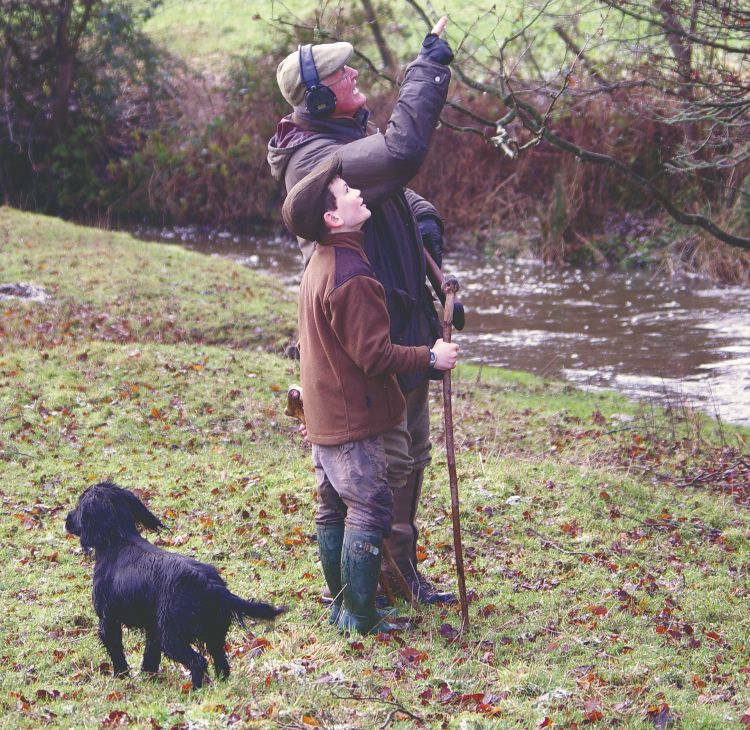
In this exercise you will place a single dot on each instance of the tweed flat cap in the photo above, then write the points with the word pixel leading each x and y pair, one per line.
pixel 305 204
pixel 328 57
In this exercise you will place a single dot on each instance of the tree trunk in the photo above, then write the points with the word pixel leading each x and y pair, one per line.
pixel 65 69
pixel 682 48
pixel 385 53
pixel 66 46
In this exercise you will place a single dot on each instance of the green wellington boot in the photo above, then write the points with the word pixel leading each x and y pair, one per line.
pixel 361 556
pixel 330 539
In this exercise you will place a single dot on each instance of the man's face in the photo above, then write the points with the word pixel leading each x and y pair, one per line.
pixel 351 212
pixel 349 99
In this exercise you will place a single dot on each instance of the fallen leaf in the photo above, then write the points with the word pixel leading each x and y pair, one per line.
pixel 448 631
pixel 116 718
pixel 660 716
pixel 412 655
pixel 258 646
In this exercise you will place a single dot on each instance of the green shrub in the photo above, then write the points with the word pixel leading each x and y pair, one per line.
pixel 75 86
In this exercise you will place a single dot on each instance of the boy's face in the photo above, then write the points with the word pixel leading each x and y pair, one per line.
pixel 351 212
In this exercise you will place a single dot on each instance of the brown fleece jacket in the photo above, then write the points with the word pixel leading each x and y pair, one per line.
pixel 347 360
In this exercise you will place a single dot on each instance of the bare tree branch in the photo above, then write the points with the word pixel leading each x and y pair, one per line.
pixel 385 53
pixel 626 9
pixel 704 98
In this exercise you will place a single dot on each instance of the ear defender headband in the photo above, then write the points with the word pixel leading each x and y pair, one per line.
pixel 319 99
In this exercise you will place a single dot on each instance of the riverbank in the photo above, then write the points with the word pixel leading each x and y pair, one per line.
pixel 606 543
pixel 594 328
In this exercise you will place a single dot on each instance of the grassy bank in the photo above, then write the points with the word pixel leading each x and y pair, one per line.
pixel 606 543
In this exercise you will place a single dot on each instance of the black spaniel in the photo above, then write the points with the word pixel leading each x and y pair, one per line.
pixel 177 600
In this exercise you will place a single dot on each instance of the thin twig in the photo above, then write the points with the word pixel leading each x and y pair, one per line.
pixel 396 573
pixel 707 476
pixel 551 543
pixel 388 719
pixel 619 430
pixel 399 707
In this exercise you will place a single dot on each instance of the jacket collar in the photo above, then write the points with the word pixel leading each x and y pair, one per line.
pixel 304 120
pixel 351 239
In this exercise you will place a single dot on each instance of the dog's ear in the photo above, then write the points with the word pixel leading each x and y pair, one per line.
pixel 73 523
pixel 96 522
pixel 139 512
pixel 108 514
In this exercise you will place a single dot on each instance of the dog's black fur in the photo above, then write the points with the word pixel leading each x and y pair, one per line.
pixel 177 600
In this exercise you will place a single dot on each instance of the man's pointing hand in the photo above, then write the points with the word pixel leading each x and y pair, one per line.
pixel 434 47
pixel 440 26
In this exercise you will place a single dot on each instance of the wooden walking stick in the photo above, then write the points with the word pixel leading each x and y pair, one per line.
pixel 450 287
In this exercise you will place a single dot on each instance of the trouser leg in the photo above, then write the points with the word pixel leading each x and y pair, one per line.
pixel 408 450
pixel 409 439
pixel 404 534
pixel 329 521
pixel 352 492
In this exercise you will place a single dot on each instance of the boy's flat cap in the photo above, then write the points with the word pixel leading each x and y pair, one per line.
pixel 328 57
pixel 305 204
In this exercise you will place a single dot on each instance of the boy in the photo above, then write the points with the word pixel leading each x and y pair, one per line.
pixel 348 365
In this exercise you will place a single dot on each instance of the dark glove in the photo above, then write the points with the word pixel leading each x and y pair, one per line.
pixel 436 49
pixel 459 316
pixel 432 238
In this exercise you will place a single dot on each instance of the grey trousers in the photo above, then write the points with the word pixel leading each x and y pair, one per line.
pixel 407 449
pixel 408 446
pixel 352 485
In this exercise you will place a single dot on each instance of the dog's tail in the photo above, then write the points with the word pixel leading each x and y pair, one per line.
pixel 242 609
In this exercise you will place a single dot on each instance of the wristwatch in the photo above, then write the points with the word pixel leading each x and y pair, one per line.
pixel 433 358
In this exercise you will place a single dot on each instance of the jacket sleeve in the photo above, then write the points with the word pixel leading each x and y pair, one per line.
pixel 422 208
pixel 360 320
pixel 381 164
pixel 429 224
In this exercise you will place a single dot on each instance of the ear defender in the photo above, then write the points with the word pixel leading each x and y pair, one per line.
pixel 319 99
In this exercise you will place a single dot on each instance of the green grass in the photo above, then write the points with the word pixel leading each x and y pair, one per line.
pixel 114 287
pixel 207 32
pixel 607 590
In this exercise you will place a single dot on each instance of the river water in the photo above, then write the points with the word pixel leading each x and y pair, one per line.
pixel 641 333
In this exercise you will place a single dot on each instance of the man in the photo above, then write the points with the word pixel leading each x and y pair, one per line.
pixel 330 117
